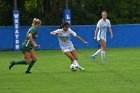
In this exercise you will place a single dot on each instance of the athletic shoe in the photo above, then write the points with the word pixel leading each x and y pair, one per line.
pixel 12 63
pixel 104 60
pixel 92 58
pixel 81 69
pixel 28 72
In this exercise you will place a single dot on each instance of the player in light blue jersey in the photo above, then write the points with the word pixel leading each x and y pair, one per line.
pixel 64 35
pixel 100 34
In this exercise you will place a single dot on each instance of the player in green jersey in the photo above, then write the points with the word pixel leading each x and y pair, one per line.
pixel 28 47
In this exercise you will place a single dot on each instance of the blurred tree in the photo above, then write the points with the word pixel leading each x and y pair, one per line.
pixel 6 12
pixel 84 12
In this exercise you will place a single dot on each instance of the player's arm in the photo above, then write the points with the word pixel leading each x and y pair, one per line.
pixel 111 33
pixel 32 41
pixel 96 31
pixel 110 30
pixel 55 32
pixel 79 38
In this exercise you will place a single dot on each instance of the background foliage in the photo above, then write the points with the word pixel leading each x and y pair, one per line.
pixel 84 12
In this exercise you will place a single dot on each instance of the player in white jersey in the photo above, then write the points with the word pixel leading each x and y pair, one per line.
pixel 100 34
pixel 64 35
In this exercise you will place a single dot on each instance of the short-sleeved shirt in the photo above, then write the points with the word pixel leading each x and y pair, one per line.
pixel 103 27
pixel 64 37
pixel 34 33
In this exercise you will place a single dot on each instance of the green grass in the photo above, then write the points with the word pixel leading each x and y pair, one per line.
pixel 51 74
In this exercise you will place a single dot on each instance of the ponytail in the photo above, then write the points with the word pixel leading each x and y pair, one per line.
pixel 36 22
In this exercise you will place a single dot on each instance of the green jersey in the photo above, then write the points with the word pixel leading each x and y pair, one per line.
pixel 27 42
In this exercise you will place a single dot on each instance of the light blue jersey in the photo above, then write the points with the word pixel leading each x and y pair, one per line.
pixel 103 26
pixel 64 39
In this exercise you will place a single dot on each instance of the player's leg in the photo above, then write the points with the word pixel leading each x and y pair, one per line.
pixel 22 62
pixel 27 57
pixel 70 56
pixel 74 55
pixel 103 48
pixel 73 52
pixel 34 58
pixel 95 54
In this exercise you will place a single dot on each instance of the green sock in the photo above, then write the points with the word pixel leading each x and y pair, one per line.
pixel 31 65
pixel 23 62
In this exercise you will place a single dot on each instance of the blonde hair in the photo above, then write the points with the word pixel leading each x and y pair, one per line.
pixel 36 21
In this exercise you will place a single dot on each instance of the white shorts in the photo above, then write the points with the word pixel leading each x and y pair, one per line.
pixel 67 49
pixel 101 38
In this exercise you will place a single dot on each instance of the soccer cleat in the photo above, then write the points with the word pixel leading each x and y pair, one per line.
pixel 12 63
pixel 81 69
pixel 104 60
pixel 92 58
pixel 28 72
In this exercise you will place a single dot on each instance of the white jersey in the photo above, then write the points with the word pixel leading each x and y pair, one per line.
pixel 103 27
pixel 64 39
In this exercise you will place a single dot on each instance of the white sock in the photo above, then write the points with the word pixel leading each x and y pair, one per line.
pixel 75 63
pixel 103 54
pixel 97 52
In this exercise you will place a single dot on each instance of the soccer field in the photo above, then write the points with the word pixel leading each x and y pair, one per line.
pixel 51 73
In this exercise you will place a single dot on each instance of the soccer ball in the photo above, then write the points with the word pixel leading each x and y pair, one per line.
pixel 74 67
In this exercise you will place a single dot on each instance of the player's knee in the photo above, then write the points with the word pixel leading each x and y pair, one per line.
pixel 27 61
pixel 34 58
pixel 103 48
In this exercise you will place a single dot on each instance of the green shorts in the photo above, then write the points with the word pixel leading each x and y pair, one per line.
pixel 25 49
